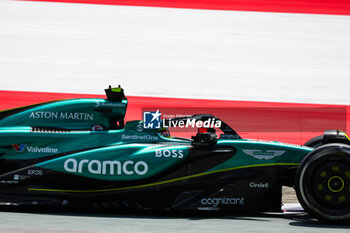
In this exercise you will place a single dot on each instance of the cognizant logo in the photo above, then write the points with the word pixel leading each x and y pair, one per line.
pixel 222 201
pixel 128 167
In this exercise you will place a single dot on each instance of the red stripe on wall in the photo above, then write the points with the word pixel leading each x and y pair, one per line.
pixel 255 120
pixel 337 7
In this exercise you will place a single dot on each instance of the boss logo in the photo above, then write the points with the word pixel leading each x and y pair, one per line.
pixel 170 153
pixel 35 172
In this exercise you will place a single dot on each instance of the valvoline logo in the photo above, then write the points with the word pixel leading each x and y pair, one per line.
pixel 152 120
pixel 19 148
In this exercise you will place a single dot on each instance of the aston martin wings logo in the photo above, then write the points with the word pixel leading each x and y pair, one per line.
pixel 259 154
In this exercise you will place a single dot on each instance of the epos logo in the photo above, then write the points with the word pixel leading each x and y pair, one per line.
pixel 152 120
pixel 19 148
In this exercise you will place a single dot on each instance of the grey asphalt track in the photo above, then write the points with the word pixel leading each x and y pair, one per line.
pixel 48 222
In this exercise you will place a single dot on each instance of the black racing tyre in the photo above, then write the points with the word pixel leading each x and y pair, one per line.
pixel 329 136
pixel 315 142
pixel 323 183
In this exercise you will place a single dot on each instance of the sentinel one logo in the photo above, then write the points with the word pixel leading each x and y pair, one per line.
pixel 128 167
pixel 139 137
pixel 222 201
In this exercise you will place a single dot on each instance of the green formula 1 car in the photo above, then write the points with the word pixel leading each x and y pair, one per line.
pixel 80 152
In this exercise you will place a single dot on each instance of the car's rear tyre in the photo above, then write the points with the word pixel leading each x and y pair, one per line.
pixel 323 183
pixel 315 142
pixel 329 136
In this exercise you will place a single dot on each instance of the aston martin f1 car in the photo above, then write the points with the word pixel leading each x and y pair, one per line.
pixel 80 152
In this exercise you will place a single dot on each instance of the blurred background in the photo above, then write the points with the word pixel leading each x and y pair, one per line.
pixel 229 54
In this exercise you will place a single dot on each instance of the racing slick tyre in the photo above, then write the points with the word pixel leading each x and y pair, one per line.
pixel 329 136
pixel 323 183
pixel 314 142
